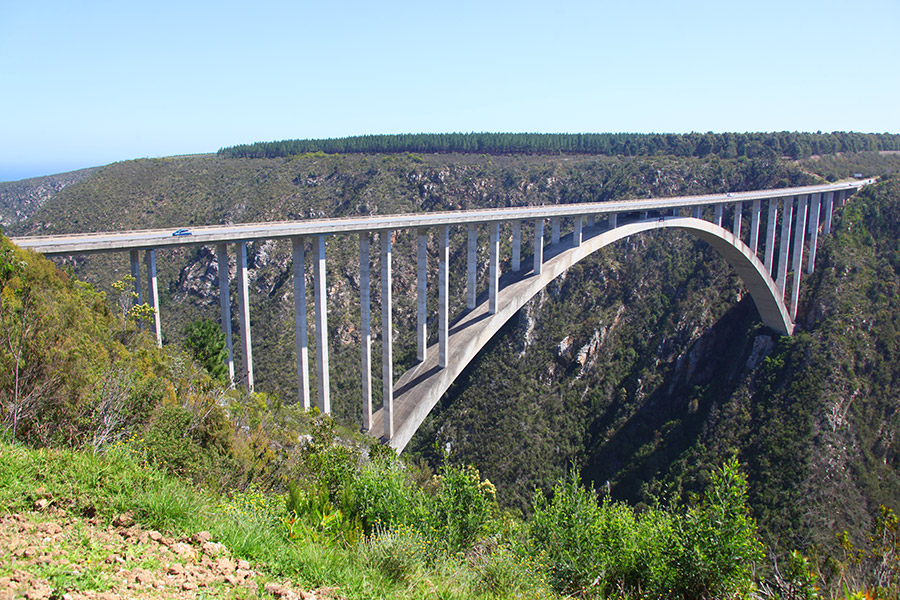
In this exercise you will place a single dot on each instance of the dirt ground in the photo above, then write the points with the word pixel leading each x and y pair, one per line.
pixel 49 555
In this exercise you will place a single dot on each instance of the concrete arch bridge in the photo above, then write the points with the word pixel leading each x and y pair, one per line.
pixel 805 213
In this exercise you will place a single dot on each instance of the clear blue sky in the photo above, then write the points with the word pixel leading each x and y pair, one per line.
pixel 89 83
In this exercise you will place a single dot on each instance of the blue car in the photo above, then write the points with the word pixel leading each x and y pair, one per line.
pixel 179 232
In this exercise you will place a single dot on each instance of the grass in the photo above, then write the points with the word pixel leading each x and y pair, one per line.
pixel 251 524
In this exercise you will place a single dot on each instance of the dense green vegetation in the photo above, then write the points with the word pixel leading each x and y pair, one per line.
pixel 725 145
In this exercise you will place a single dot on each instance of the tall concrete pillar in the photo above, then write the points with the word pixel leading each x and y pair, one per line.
pixel 754 226
pixel 244 313
pixel 153 293
pixel 717 215
pixel 494 267
pixel 320 305
pixel 590 220
pixel 787 211
pixel 538 246
pixel 799 239
pixel 645 215
pixel 554 230
pixel 577 232
pixel 829 212
pixel 225 307
pixel 814 211
pixel 840 197
pixel 612 221
pixel 736 227
pixel 135 258
pixel 770 234
pixel 443 294
pixel 365 314
pixel 421 298
pixel 517 245
pixel 301 338
pixel 676 212
pixel 471 266
pixel 387 356
pixel 697 212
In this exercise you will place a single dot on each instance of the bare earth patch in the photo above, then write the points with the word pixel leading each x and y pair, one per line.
pixel 48 554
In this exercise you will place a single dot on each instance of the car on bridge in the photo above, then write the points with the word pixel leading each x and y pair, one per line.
pixel 180 232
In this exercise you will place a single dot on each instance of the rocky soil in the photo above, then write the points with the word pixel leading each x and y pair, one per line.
pixel 47 554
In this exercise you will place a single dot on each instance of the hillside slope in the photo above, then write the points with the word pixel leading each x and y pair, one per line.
pixel 645 365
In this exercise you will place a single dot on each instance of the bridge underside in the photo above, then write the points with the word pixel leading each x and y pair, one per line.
pixel 421 387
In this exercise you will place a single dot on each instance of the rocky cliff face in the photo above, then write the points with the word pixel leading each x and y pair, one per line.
pixel 21 199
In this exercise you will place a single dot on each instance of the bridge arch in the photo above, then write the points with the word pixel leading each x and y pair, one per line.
pixel 420 388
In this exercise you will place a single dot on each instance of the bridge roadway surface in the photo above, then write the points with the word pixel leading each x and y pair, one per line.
pixel 84 243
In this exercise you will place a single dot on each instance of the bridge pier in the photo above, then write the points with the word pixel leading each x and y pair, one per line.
pixel 538 246
pixel 471 266
pixel 717 215
pixel 320 307
pixel 754 226
pixel 554 230
pixel 612 221
pixel 517 245
pixel 443 294
pixel 225 307
pixel 577 232
pixel 387 355
pixel 591 219
pixel 365 333
pixel 787 210
pixel 494 267
pixel 697 213
pixel 153 293
pixel 770 234
pixel 799 239
pixel 421 289
pixel 301 340
pixel 244 314
pixel 135 259
pixel 813 230
pixel 736 226
pixel 829 210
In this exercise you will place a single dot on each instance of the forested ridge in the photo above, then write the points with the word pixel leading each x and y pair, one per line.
pixel 644 369
pixel 795 145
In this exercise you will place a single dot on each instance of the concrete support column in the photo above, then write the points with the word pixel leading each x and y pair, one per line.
pixel 365 313
pixel 717 215
pixel 135 258
pixel 225 307
pixel 244 313
pixel 829 212
pixel 538 246
pixel 153 293
pixel 840 197
pixel 320 302
pixel 787 211
pixel 301 338
pixel 697 213
pixel 494 268
pixel 517 245
pixel 645 215
pixel 770 234
pixel 612 221
pixel 736 228
pixel 814 211
pixel 443 294
pixel 554 230
pixel 577 232
pixel 421 298
pixel 754 226
pixel 799 239
pixel 590 220
pixel 471 267
pixel 676 212
pixel 387 355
